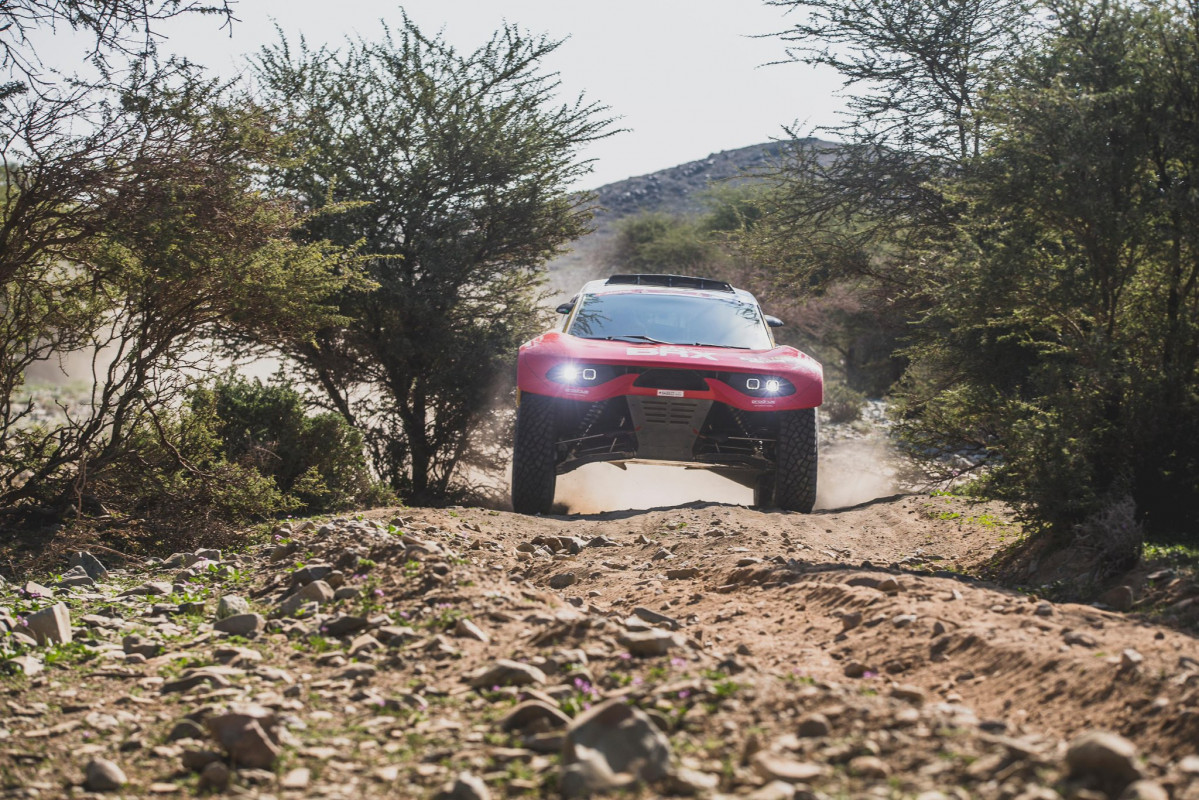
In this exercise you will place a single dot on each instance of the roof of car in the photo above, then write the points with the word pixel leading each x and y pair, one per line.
pixel 667 284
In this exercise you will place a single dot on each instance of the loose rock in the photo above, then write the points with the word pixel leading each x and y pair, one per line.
pixel 52 624
pixel 609 745
pixel 240 624
pixel 102 775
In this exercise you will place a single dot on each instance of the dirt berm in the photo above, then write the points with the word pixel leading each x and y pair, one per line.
pixel 705 650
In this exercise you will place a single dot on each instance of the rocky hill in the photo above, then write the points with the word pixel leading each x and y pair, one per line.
pixel 675 190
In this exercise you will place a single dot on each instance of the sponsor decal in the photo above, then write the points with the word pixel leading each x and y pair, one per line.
pixel 671 351
pixel 572 390
pixel 763 402
pixel 670 393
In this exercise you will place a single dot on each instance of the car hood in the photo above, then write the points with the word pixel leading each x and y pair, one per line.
pixel 561 346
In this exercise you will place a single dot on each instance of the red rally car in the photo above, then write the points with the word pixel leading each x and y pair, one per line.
pixel 667 369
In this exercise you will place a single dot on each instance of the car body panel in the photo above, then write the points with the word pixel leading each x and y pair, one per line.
pixel 543 353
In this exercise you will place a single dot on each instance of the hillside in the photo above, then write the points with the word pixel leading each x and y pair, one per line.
pixel 674 190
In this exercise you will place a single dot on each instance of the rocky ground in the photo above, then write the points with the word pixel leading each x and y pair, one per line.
pixel 705 650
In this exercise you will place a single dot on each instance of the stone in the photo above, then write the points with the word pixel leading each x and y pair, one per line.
pixel 773 767
pixel 610 746
pixel 214 777
pixel 192 678
pixel 908 693
pixel 1144 790
pixel 34 590
pixel 90 564
pixel 231 605
pixel 99 721
pixel 775 790
pixel 102 775
pixel 465 629
pixel 656 618
pixel 51 624
pixel 889 585
pixel 247 734
pixel 682 574
pixel 856 669
pixel 563 579
pixel 851 620
pixel 356 671
pixel 363 644
pixel 1119 598
pixel 813 725
pixel 869 767
pixel 534 716
pixel 319 591
pixel 465 787
pixel 1109 757
pixel 240 624
pixel 1080 638
pixel 691 783
pixel 26 665
pixel 393 635
pixel 340 626
pixel 185 729
pixel 197 760
pixel 297 778
pixel 148 589
pixel 654 642
pixel 310 573
pixel 75 576
pixel 1130 660
pixel 133 644
pixel 236 656
pixel 508 673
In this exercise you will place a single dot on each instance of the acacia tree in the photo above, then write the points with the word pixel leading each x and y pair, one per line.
pixel 457 167
pixel 1073 314
pixel 1048 271
pixel 115 27
pixel 142 242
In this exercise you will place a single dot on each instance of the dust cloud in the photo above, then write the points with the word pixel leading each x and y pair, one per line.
pixel 852 471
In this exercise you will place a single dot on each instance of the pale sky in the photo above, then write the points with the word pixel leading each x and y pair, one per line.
pixel 686 77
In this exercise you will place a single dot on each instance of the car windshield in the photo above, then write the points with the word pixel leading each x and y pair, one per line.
pixel 659 318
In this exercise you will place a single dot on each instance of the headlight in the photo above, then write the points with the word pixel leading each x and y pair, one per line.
pixel 759 385
pixel 580 374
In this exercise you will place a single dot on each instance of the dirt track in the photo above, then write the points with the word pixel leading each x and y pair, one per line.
pixel 861 622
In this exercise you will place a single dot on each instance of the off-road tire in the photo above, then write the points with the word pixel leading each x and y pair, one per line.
pixel 764 490
pixel 795 452
pixel 533 474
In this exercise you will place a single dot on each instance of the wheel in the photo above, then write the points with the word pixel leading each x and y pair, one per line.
pixel 764 490
pixel 533 475
pixel 795 455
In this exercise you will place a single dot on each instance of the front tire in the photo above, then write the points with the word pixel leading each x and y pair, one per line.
pixel 796 450
pixel 533 474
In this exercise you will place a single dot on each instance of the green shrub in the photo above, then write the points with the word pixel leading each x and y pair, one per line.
pixel 841 403
pixel 318 461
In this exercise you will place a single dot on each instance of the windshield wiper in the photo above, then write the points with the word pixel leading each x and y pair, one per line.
pixel 636 336
pixel 726 346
